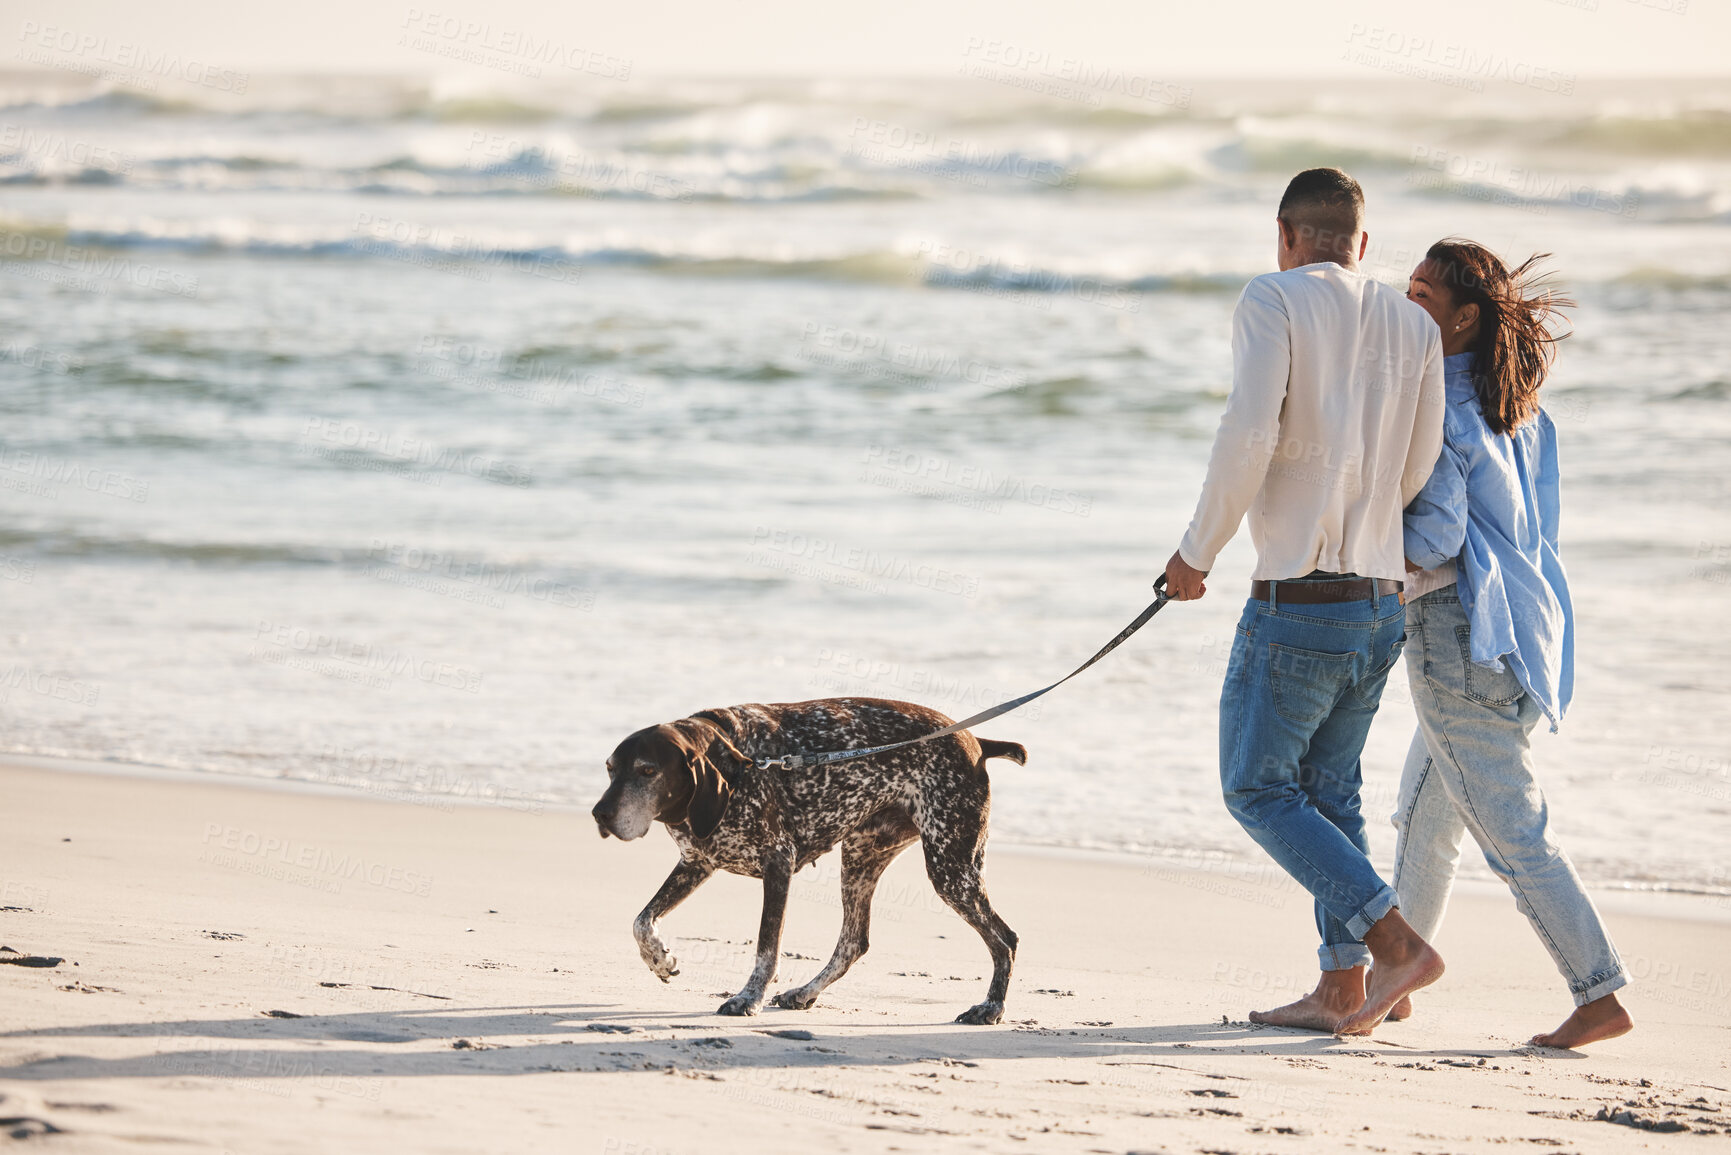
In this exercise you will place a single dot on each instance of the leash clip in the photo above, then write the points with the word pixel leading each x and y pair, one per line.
pixel 785 762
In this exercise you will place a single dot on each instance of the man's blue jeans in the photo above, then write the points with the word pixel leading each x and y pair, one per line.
pixel 1301 689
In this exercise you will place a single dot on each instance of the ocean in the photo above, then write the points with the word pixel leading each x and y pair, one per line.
pixel 428 438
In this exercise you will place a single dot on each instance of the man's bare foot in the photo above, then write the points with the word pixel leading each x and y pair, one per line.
pixel 1402 1010
pixel 1603 1018
pixel 1404 962
pixel 1337 993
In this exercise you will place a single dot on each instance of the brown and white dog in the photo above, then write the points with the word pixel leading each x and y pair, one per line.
pixel 699 776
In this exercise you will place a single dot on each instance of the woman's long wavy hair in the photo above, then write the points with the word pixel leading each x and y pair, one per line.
pixel 1519 317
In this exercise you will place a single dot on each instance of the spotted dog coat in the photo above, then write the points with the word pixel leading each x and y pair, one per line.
pixel 699 776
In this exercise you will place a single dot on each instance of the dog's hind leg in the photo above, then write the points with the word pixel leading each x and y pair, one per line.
pixel 955 846
pixel 686 877
pixel 865 854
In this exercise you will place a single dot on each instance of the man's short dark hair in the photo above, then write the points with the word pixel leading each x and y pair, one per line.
pixel 1323 201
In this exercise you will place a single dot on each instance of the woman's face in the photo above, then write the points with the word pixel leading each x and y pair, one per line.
pixel 1459 325
pixel 1425 289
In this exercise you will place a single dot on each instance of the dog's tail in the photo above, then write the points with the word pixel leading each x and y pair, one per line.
pixel 1014 751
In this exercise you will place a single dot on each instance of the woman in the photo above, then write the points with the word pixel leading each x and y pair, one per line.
pixel 1490 631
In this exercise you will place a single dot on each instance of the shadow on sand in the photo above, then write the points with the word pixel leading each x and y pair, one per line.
pixel 587 1037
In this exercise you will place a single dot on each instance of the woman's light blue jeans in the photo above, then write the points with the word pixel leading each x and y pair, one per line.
pixel 1471 768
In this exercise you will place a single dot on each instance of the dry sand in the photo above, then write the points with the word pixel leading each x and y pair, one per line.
pixel 258 969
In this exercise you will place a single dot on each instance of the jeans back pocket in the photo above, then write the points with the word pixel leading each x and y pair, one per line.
pixel 1487 687
pixel 1369 688
pixel 1307 683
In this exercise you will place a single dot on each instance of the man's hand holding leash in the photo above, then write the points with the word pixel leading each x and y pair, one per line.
pixel 1183 581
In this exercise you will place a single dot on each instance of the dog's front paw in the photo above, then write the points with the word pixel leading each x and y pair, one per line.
pixel 796 999
pixel 982 1014
pixel 659 959
pixel 740 1004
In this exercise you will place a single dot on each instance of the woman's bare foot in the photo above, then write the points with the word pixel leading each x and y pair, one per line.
pixel 1603 1018
pixel 1404 962
pixel 1337 993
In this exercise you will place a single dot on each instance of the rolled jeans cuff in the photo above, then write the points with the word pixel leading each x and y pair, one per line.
pixel 1373 911
pixel 1601 985
pixel 1341 956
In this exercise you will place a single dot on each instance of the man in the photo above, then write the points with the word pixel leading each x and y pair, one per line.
pixel 1334 423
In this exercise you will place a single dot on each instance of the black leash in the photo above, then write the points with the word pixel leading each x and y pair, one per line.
pixel 803 761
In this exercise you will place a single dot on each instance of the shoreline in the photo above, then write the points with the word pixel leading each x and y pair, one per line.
pixel 1660 899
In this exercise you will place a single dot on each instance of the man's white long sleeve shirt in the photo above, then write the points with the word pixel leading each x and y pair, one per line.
pixel 1334 423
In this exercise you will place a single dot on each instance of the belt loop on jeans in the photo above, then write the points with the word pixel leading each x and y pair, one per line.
pixel 1273 599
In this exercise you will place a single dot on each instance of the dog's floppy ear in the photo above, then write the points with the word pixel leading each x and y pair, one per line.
pixel 710 793
pixel 699 744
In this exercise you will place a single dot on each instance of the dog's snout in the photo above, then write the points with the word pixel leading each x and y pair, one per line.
pixel 603 819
